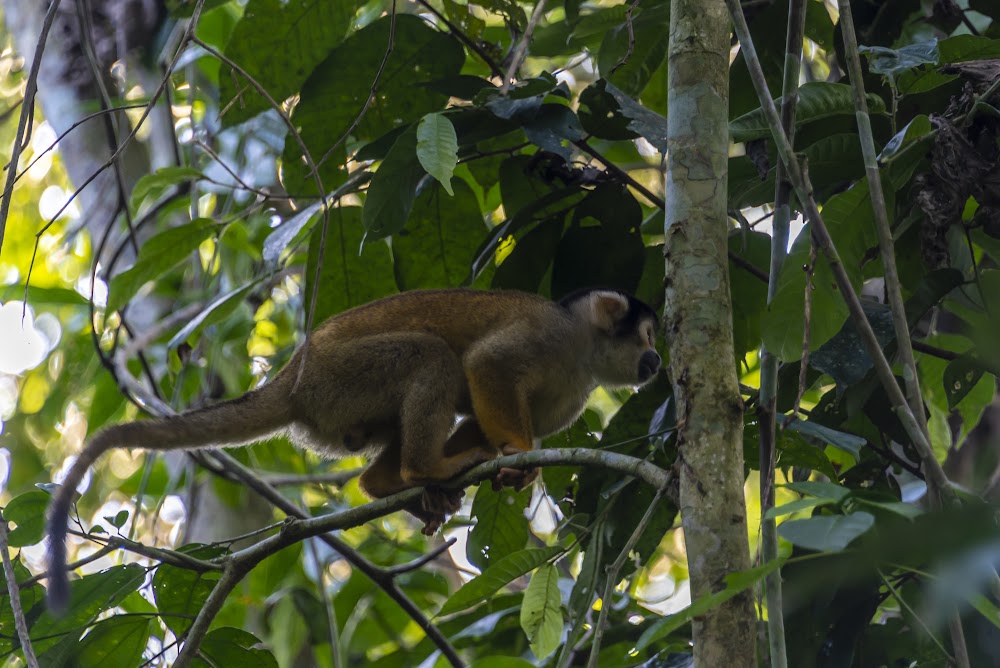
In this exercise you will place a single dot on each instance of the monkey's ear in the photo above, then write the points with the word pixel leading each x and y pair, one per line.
pixel 607 308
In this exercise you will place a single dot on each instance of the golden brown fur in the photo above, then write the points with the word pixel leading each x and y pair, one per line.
pixel 389 379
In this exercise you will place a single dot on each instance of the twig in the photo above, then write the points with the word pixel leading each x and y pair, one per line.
pixel 767 407
pixel 83 15
pixel 611 577
pixel 886 246
pixel 14 591
pixel 337 478
pixel 424 559
pixel 27 113
pixel 521 50
pixel 238 564
pixel 806 326
pixel 935 474
pixel 462 37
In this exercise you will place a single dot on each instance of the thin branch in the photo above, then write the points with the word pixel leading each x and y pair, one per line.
pixel 27 113
pixel 886 246
pixel 83 15
pixel 55 142
pixel 465 39
pixel 521 50
pixel 767 407
pixel 935 474
pixel 14 592
pixel 612 573
pixel 424 559
pixel 238 564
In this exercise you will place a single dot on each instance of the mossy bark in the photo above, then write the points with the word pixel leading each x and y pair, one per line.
pixel 699 329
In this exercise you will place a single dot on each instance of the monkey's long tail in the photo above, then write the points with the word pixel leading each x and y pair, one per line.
pixel 251 417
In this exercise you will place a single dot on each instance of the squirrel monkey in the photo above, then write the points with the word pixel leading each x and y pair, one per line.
pixel 388 379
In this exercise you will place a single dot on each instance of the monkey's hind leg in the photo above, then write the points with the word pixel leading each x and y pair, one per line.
pixel 382 479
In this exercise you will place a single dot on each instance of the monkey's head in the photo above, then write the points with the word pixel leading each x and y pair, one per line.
pixel 624 335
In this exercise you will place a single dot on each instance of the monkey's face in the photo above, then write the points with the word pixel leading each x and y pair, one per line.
pixel 627 356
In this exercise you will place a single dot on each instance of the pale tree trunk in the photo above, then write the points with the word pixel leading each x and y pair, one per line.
pixel 698 319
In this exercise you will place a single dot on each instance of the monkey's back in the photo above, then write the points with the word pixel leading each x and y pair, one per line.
pixel 460 316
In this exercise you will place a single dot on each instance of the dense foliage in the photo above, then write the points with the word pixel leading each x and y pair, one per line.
pixel 436 176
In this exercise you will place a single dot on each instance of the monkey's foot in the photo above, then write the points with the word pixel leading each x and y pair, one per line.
pixel 432 521
pixel 516 478
pixel 439 501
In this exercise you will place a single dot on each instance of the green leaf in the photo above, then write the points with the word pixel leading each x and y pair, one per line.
pixel 817 100
pixel 393 188
pixel 736 583
pixel 496 576
pixel 632 51
pixel 960 376
pixel 849 219
pixel 439 243
pixel 609 253
pixel 437 148
pixel 795 507
pixel 501 527
pixel 88 597
pixel 278 43
pixel 893 62
pixel 339 88
pixel 157 256
pixel 541 613
pixel 354 272
pixel 118 520
pixel 218 309
pixel 915 130
pixel 28 512
pixel 646 122
pixel 826 533
pixel 116 641
pixel 823 490
pixel 228 646
pixel 501 662
pixel 849 443
pixel 155 183
pixel 38 296
pixel 180 593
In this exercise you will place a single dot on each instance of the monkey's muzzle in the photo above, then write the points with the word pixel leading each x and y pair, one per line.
pixel 649 364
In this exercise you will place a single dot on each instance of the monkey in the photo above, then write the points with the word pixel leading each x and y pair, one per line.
pixel 389 379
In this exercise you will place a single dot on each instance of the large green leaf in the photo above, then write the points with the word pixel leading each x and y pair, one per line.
pixel 354 271
pixel 826 533
pixel 229 646
pixel 498 575
pixel 439 242
pixel 157 256
pixel 279 43
pixel 393 188
pixel 437 148
pixel 817 100
pixel 633 50
pixel 116 641
pixel 56 638
pixel 27 511
pixel 849 219
pixel 541 613
pixel 180 593
pixel 501 527
pixel 338 90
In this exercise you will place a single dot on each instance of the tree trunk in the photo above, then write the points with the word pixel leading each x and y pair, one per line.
pixel 698 319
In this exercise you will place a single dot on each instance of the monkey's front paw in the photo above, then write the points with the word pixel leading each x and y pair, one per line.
pixel 516 478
